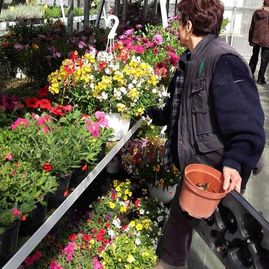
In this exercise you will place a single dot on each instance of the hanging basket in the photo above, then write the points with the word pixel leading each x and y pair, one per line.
pixel 201 190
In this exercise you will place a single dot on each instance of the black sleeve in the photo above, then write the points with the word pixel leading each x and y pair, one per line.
pixel 239 113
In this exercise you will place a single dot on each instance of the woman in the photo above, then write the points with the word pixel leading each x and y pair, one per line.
pixel 213 116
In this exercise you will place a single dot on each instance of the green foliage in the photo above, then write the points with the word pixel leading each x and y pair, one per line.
pixel 56 12
pixel 224 25
pixel 22 187
pixel 63 144
pixel 124 253
pixel 20 12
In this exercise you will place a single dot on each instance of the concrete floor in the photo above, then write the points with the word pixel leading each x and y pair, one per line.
pixel 257 194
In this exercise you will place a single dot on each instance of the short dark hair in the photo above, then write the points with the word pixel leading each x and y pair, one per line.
pixel 206 15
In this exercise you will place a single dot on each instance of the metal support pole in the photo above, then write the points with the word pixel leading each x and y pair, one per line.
pixel 145 8
pixel 124 9
pixel 70 15
pixel 100 13
pixel 86 22
pixel 1 5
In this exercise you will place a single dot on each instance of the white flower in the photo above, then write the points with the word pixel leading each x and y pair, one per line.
pixel 142 211
pixel 117 94
pixel 117 223
pixel 111 233
pixel 92 86
pixel 137 241
pixel 130 86
pixel 104 95
pixel 160 218
pixel 123 90
pixel 108 71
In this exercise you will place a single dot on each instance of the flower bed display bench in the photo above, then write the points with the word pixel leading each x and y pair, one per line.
pixel 37 237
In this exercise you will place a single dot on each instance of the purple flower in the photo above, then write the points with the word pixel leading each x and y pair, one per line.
pixel 158 39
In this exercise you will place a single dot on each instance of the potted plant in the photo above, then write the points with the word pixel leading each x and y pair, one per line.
pixel 22 188
pixel 112 83
pixel 143 159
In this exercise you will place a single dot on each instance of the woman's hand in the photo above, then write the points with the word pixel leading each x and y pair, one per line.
pixel 232 179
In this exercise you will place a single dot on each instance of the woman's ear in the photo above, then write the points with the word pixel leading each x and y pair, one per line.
pixel 188 26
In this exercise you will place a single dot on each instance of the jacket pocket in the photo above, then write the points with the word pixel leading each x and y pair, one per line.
pixel 208 142
pixel 199 96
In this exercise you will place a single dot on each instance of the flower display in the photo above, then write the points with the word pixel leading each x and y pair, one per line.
pixel 155 45
pixel 111 83
pixel 143 158
pixel 107 237
pixel 55 145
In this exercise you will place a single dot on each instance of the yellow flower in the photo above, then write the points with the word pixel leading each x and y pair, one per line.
pixel 121 107
pixel 130 258
pixel 117 188
pixel 125 197
pixel 92 241
pixel 139 227
pixel 123 209
pixel 133 94
pixel 139 111
pixel 115 183
pixel 111 205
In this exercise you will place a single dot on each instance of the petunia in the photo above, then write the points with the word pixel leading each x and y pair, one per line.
pixel 158 39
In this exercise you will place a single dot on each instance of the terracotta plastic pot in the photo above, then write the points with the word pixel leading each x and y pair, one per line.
pixel 198 202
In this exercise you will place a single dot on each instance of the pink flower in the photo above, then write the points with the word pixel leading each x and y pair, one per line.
pixel 128 32
pixel 173 58
pixel 158 39
pixel 9 157
pixel 101 117
pixel 93 127
pixel 96 263
pixel 55 265
pixel 29 261
pixel 37 256
pixel 19 122
pixel 139 49
pixel 42 120
pixel 69 251
pixel 16 212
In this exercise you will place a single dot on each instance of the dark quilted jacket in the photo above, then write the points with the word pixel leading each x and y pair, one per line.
pixel 259 28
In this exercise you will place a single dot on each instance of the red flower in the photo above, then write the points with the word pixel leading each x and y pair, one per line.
pixel 84 167
pixel 107 225
pixel 45 104
pixel 23 218
pixel 137 203
pixel 86 237
pixel 58 111
pixel 102 65
pixel 31 102
pixel 72 237
pixel 47 167
pixel 43 92
pixel 65 193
